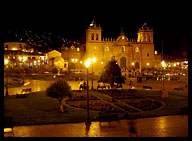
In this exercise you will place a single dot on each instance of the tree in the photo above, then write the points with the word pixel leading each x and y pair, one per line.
pixel 112 75
pixel 60 89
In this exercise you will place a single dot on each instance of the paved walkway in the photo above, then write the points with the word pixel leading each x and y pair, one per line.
pixel 165 126
pixel 39 85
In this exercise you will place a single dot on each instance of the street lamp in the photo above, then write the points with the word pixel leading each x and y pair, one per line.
pixel 163 65
pixel 6 63
pixel 87 122
pixel 24 59
pixel 93 61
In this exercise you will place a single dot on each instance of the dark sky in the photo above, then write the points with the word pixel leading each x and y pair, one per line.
pixel 170 21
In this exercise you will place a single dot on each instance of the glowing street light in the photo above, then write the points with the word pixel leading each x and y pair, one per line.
pixel 6 63
pixel 163 64
pixel 87 122
pixel 93 61
pixel 87 64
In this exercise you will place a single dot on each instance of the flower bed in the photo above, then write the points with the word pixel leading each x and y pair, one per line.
pixel 83 97
pixel 145 104
pixel 125 95
pixel 97 106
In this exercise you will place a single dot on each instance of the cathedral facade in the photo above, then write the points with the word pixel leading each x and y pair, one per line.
pixel 129 53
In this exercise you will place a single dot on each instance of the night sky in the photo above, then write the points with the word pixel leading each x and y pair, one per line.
pixel 70 20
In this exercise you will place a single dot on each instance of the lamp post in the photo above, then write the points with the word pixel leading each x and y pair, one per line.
pixel 24 59
pixel 93 61
pixel 6 63
pixel 87 122
pixel 163 65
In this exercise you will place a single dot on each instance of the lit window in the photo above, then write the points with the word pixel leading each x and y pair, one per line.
pixel 136 49
pixel 155 52
pixel 106 49
pixel 123 48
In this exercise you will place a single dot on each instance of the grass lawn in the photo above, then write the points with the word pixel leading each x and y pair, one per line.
pixel 38 108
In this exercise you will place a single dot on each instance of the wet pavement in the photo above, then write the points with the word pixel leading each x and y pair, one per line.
pixel 164 126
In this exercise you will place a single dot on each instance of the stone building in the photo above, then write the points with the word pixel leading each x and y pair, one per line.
pixel 129 53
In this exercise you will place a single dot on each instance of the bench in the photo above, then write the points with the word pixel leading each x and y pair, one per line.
pixel 23 93
pixel 106 116
pixel 26 90
pixel 178 89
pixel 82 87
pixel 21 96
pixel 147 87
pixel 101 87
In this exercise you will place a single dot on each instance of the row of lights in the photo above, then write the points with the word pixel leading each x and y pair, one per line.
pixel 93 60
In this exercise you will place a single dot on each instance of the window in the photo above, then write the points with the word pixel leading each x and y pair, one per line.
pixel 123 48
pixel 97 36
pixel 147 54
pixel 92 36
pixel 136 49
pixel 106 49
pixel 65 65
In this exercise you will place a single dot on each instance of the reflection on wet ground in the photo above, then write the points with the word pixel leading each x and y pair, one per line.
pixel 165 126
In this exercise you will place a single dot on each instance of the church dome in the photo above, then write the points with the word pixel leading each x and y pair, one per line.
pixel 122 38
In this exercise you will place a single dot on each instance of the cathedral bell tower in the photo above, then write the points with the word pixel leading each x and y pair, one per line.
pixel 145 34
pixel 93 33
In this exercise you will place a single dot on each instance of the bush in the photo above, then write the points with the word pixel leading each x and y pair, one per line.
pixel 60 89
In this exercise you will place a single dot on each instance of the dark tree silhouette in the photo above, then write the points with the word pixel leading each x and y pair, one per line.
pixel 60 89
pixel 112 74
